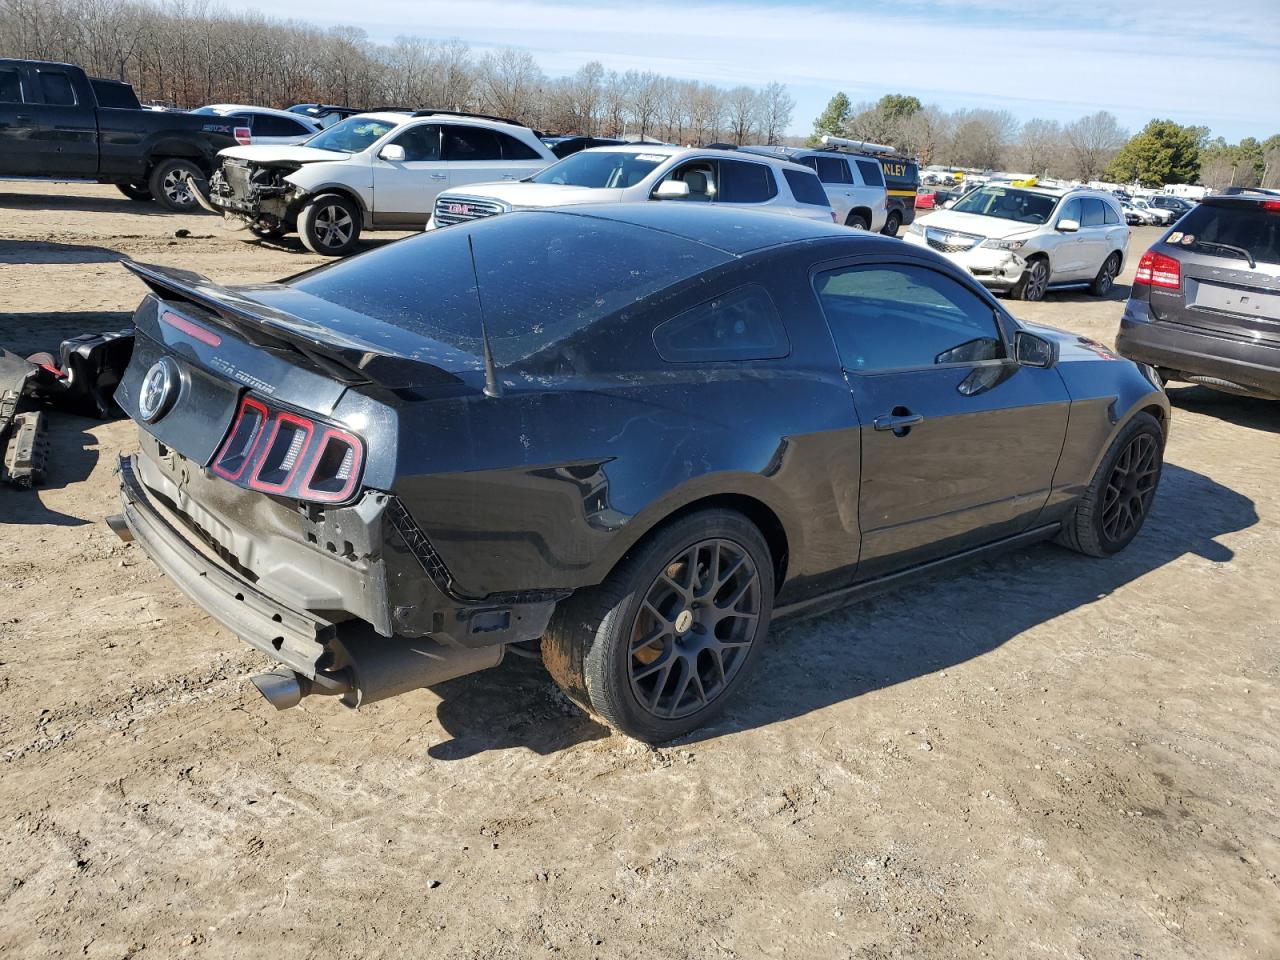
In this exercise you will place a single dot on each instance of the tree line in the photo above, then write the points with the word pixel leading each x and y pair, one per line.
pixel 1094 147
pixel 189 53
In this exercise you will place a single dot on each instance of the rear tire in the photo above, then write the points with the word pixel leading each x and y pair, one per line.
pixel 892 224
pixel 661 646
pixel 330 225
pixel 1034 281
pixel 135 191
pixel 168 185
pixel 857 221
pixel 1115 505
pixel 1106 277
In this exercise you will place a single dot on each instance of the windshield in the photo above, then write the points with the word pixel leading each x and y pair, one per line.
pixel 351 135
pixel 1007 204
pixel 600 168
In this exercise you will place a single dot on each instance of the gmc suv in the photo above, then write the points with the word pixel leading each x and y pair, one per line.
pixel 1205 304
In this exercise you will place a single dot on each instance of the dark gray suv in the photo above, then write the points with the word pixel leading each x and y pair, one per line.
pixel 1205 304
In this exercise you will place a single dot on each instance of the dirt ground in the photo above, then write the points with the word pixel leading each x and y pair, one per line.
pixel 1046 757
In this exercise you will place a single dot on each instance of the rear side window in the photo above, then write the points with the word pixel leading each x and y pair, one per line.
pixel 57 89
pixel 471 143
pixel 740 325
pixel 746 182
pixel 116 95
pixel 268 125
pixel 806 188
pixel 901 316
pixel 870 171
pixel 1250 227
pixel 833 170
pixel 10 85
pixel 1091 214
pixel 513 149
pixel 1109 214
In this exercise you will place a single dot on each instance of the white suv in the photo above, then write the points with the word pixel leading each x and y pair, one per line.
pixel 1026 240
pixel 639 172
pixel 373 171
pixel 854 184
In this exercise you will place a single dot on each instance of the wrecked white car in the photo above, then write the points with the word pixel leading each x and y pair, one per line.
pixel 374 171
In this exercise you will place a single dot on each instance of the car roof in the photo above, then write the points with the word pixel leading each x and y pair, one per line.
pixel 249 108
pixel 402 117
pixel 670 150
pixel 736 232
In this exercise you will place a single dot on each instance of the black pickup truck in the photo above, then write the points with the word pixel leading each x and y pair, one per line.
pixel 57 122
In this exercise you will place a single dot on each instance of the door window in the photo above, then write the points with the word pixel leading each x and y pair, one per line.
pixel 420 143
pixel 1091 208
pixel 700 175
pixel 833 170
pixel 57 89
pixel 901 316
pixel 871 174
pixel 742 182
pixel 10 85
pixel 471 143
pixel 1070 211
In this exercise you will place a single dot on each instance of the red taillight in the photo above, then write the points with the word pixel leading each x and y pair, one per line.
pixel 1157 270
pixel 190 329
pixel 1271 206
pixel 243 136
pixel 332 474
pixel 283 454
pixel 277 452
pixel 241 442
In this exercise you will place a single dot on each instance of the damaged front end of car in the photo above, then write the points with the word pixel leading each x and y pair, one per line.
pixel 257 195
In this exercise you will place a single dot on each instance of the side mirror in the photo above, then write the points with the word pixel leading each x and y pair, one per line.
pixel 1068 226
pixel 671 190
pixel 1030 350
pixel 392 152
pixel 948 204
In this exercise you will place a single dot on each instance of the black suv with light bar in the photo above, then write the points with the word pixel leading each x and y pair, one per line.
pixel 635 432
pixel 1205 303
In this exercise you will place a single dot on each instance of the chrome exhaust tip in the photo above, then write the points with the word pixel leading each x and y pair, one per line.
pixel 281 688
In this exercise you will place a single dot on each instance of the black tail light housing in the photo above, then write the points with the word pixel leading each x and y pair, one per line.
pixel 289 454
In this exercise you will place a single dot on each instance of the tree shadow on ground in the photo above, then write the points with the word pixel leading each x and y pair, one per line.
pixel 36 252
pixel 104 204
pixel 880 642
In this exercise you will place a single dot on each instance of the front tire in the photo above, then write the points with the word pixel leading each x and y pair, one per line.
pixel 1034 281
pixel 892 224
pixel 330 225
pixel 1115 505
pixel 169 187
pixel 135 191
pixel 1106 277
pixel 660 646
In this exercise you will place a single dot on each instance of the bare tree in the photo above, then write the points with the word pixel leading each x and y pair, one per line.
pixel 741 109
pixel 1039 146
pixel 774 110
pixel 1093 142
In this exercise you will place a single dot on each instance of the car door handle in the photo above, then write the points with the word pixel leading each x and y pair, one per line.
pixel 900 421
pixel 439 176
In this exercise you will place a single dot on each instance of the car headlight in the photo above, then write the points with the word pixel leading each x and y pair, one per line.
pixel 915 227
pixel 1004 244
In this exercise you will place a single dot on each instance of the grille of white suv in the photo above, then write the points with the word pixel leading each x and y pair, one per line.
pixel 948 241
pixel 450 210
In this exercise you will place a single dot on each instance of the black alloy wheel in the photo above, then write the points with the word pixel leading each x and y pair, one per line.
pixel 1130 489
pixel 694 629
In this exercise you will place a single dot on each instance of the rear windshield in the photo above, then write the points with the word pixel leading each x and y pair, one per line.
pixel 543 277
pixel 351 135
pixel 1007 204
pixel 110 93
pixel 607 168
pixel 1246 225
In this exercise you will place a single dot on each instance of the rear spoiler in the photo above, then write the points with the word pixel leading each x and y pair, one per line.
pixel 352 360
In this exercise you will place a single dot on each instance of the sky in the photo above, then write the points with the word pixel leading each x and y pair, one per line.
pixel 1193 61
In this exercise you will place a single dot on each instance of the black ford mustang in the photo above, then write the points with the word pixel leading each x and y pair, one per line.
pixel 636 434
